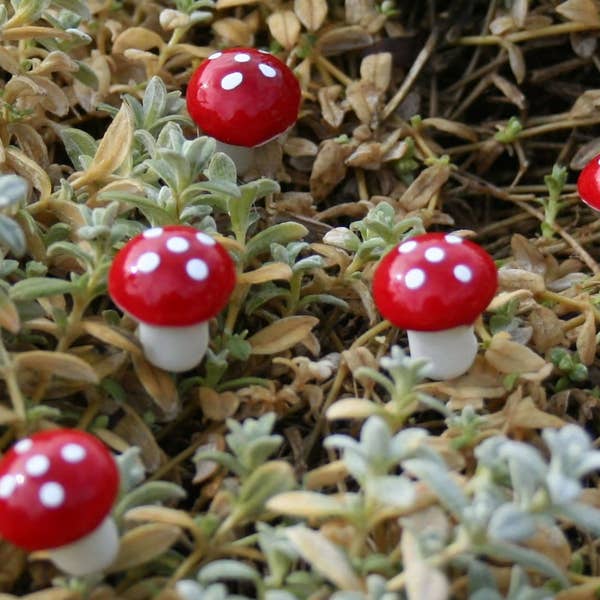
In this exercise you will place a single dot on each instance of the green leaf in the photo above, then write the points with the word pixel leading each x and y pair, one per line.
pixel 221 168
pixel 584 516
pixel 86 75
pixel 441 483
pixel 12 235
pixel 282 233
pixel 154 101
pixel 524 557
pixel 77 144
pixel 38 287
pixel 261 187
pixel 149 493
pixel 265 482
pixel 76 6
pixel 71 249
pixel 13 190
pixel 148 207
pixel 227 569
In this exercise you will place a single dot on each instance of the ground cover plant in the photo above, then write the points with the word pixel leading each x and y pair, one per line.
pixel 308 456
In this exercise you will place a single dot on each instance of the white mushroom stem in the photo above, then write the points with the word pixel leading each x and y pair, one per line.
pixel 91 554
pixel 174 348
pixel 451 352
pixel 242 156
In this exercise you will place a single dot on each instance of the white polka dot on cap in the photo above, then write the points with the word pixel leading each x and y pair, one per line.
pixel 414 279
pixel 232 80
pixel 72 453
pixel 197 269
pixel 8 483
pixel 267 70
pixel 147 262
pixel 177 244
pixel 52 494
pixel 23 446
pixel 37 465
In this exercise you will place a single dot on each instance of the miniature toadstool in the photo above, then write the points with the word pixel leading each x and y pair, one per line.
pixel 243 98
pixel 435 286
pixel 588 183
pixel 172 280
pixel 57 489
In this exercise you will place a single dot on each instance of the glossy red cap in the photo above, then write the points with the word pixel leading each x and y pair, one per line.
pixel 433 282
pixel 172 276
pixel 588 183
pixel 56 487
pixel 243 96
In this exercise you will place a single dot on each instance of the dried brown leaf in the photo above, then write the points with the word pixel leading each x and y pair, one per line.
pixel 517 279
pixel 9 316
pixel 376 69
pixel 519 11
pixel 270 272
pixel 332 111
pixel 580 11
pixel 284 27
pixel 282 334
pixel 586 339
pixel 217 406
pixel 428 182
pixel 329 167
pixel 30 170
pixel 547 329
pixel 133 429
pixel 111 335
pixel 296 146
pixel 163 515
pixel 234 32
pixel 223 4
pixel 586 104
pixel 324 557
pixel 368 155
pixel 507 356
pixel 112 150
pixel 515 60
pixel 343 39
pixel 311 13
pixel 159 385
pixel 60 364
pixel 137 38
pixel 364 99
pixel 452 127
pixel 510 90
pixel 143 544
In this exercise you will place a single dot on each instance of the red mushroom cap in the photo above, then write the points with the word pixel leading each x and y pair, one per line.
pixel 172 276
pixel 243 96
pixel 433 282
pixel 55 487
pixel 588 183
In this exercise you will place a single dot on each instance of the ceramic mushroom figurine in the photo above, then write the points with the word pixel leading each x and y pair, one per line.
pixel 172 280
pixel 435 286
pixel 588 183
pixel 57 489
pixel 243 98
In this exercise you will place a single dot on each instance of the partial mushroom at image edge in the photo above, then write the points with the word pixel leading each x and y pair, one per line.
pixel 435 286
pixel 57 489
pixel 172 280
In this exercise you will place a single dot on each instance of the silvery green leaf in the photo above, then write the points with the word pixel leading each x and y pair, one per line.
pixel 198 152
pixel 261 187
pixel 131 468
pixel 86 75
pixel 525 557
pixel 171 137
pixel 589 462
pixel 357 464
pixel 146 140
pixel 527 456
pixel 342 237
pixel 70 249
pixel 322 299
pixel 154 101
pixel 392 490
pixel 310 262
pixel 200 16
pixel 486 594
pixel 78 144
pixel 511 523
pixel 38 287
pixel 151 492
pixel 188 589
pixel 13 190
pixel 340 441
pixel 347 595
pixel 221 168
pixel 562 488
pixel 194 213
pixel 584 516
pixel 228 570
pixel 407 442
pixel 375 442
pixel 165 170
pixel 77 6
pixel 255 452
pixel 79 37
pixel 281 233
pixel 480 577
pixel 438 478
pixel 12 235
